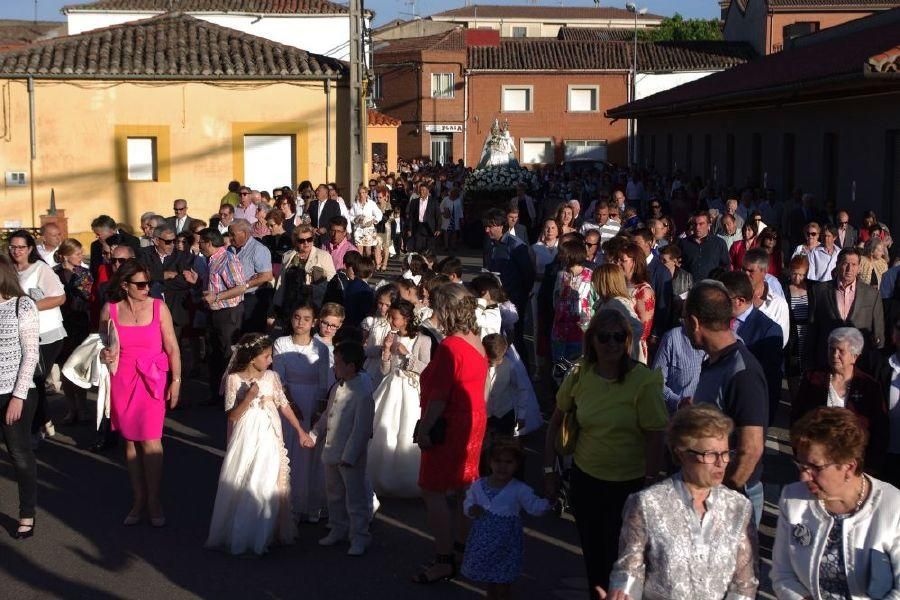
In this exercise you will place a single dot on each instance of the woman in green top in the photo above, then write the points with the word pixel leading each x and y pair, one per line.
pixel 621 416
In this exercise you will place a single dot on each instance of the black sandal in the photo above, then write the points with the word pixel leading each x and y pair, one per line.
pixel 24 535
pixel 440 559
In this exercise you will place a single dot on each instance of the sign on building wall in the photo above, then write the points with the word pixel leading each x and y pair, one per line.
pixel 444 128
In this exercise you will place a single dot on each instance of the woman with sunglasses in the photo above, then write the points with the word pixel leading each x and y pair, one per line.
pixel 689 536
pixel 44 287
pixel 811 240
pixel 145 366
pixel 297 271
pixel 838 533
pixel 621 414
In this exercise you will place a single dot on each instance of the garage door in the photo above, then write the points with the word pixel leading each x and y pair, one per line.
pixel 268 161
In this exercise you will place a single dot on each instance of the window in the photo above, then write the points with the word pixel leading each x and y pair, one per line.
pixel 537 152
pixel 517 99
pixel 442 149
pixel 590 150
pixel 268 161
pixel 583 98
pixel 519 32
pixel 799 28
pixel 442 85
pixel 142 159
pixel 376 87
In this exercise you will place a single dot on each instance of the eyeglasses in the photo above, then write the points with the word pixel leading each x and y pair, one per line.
pixel 590 245
pixel 710 458
pixel 141 285
pixel 331 325
pixel 810 468
pixel 119 261
pixel 304 240
pixel 176 209
pixel 604 337
pixel 167 242
pixel 11 247
pixel 245 193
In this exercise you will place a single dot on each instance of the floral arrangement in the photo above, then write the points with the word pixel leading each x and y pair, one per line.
pixel 500 178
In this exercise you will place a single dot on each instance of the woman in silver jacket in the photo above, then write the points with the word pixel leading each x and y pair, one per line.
pixel 838 532
pixel 689 536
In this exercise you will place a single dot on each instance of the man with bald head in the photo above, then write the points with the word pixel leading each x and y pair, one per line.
pixel 51 238
pixel 847 234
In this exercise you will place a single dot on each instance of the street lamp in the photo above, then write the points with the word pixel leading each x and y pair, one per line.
pixel 632 125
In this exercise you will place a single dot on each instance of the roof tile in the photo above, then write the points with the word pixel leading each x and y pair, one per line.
pixel 170 45
pixel 834 4
pixel 489 11
pixel 595 34
pixel 378 119
pixel 279 7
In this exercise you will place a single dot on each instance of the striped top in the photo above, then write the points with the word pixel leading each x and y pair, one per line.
pixel 225 272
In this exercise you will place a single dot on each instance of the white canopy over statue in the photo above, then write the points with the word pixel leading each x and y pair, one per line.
pixel 499 148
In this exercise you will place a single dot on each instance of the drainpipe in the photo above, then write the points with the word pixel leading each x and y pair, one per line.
pixel 327 129
pixel 465 116
pixel 33 140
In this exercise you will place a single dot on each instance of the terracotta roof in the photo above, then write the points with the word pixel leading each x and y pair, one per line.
pixel 279 7
pixel 885 62
pixel 796 73
pixel 449 41
pixel 833 4
pixel 489 11
pixel 595 34
pixel 14 33
pixel 173 45
pixel 377 119
pixel 547 55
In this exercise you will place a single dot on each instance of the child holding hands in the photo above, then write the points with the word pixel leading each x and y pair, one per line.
pixel 255 469
pixel 347 426
pixel 494 547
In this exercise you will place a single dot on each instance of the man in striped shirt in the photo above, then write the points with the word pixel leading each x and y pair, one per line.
pixel 224 294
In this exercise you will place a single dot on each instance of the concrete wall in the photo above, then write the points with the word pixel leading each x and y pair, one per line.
pixel 777 21
pixel 648 84
pixel 550 117
pixel 81 129
pixel 328 35
pixel 864 129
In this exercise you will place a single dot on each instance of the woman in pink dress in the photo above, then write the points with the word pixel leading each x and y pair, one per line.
pixel 142 353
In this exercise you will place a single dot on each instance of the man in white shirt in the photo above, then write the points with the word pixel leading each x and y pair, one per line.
pixel 823 258
pixel 771 304
pixel 51 238
pixel 225 219
pixel 729 230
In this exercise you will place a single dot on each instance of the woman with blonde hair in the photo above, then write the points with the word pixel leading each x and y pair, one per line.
pixel 873 263
pixel 77 283
pixel 612 293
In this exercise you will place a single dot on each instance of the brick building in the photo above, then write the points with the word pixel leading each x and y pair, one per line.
pixel 448 88
pixel 820 117
pixel 770 25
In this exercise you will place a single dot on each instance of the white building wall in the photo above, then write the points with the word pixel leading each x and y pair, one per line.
pixel 327 35
pixel 648 84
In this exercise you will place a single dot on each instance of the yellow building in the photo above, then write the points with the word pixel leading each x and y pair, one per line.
pixel 381 134
pixel 123 120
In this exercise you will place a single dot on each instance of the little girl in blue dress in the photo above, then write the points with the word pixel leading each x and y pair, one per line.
pixel 494 548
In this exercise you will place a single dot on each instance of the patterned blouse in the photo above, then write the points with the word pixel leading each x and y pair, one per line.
pixel 573 305
pixel 667 551
pixel 832 570
pixel 645 307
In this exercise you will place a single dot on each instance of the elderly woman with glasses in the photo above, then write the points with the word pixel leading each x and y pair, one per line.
pixel 618 404
pixel 845 386
pixel 838 533
pixel 811 240
pixel 297 269
pixel 689 536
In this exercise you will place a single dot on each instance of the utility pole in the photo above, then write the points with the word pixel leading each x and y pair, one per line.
pixel 358 116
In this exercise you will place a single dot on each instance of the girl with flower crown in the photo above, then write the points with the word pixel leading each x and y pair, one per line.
pixel 253 502
pixel 393 466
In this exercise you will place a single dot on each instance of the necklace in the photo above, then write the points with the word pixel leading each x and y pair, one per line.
pixel 860 498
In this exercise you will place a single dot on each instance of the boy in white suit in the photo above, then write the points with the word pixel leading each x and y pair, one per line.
pixel 347 425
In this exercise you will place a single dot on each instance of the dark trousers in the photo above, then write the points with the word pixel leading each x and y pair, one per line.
pixel 223 329
pixel 17 438
pixel 597 506
pixel 256 309
pixel 49 352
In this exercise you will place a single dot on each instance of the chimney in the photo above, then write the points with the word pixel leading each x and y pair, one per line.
pixel 482 37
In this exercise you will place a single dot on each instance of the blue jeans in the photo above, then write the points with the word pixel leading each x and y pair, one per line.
pixel 755 494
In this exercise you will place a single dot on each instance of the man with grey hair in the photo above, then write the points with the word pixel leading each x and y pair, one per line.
pixel 843 302
pixel 769 301
pixel 181 221
pixel 246 208
pixel 149 222
pixel 256 263
pixel 728 229
pixel 167 266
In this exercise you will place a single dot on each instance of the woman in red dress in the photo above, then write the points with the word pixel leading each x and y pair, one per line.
pixel 452 426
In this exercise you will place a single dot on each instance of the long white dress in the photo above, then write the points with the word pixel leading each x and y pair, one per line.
pixel 374 342
pixel 393 466
pixel 253 504
pixel 306 374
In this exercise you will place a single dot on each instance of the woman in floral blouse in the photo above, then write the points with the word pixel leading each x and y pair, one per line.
pixel 77 282
pixel 573 301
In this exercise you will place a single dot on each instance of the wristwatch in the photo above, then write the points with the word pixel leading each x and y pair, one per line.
pixel 549 470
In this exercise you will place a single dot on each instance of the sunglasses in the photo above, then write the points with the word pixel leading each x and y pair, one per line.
pixel 604 337
pixel 304 240
pixel 812 234
pixel 119 261
pixel 141 285
pixel 245 193
pixel 167 242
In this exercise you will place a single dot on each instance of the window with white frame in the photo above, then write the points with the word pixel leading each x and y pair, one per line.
pixel 537 151
pixel 519 32
pixel 589 150
pixel 142 159
pixel 442 85
pixel 517 98
pixel 584 98
pixel 376 87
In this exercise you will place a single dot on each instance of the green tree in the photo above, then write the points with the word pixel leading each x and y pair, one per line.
pixel 679 29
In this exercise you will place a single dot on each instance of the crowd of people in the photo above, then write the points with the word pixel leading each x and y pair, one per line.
pixel 663 315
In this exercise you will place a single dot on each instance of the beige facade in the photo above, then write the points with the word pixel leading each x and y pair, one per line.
pixel 82 129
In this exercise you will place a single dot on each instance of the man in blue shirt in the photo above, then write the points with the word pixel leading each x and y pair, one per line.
pixel 256 262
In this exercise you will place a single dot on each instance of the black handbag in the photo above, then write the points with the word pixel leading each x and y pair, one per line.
pixel 438 432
